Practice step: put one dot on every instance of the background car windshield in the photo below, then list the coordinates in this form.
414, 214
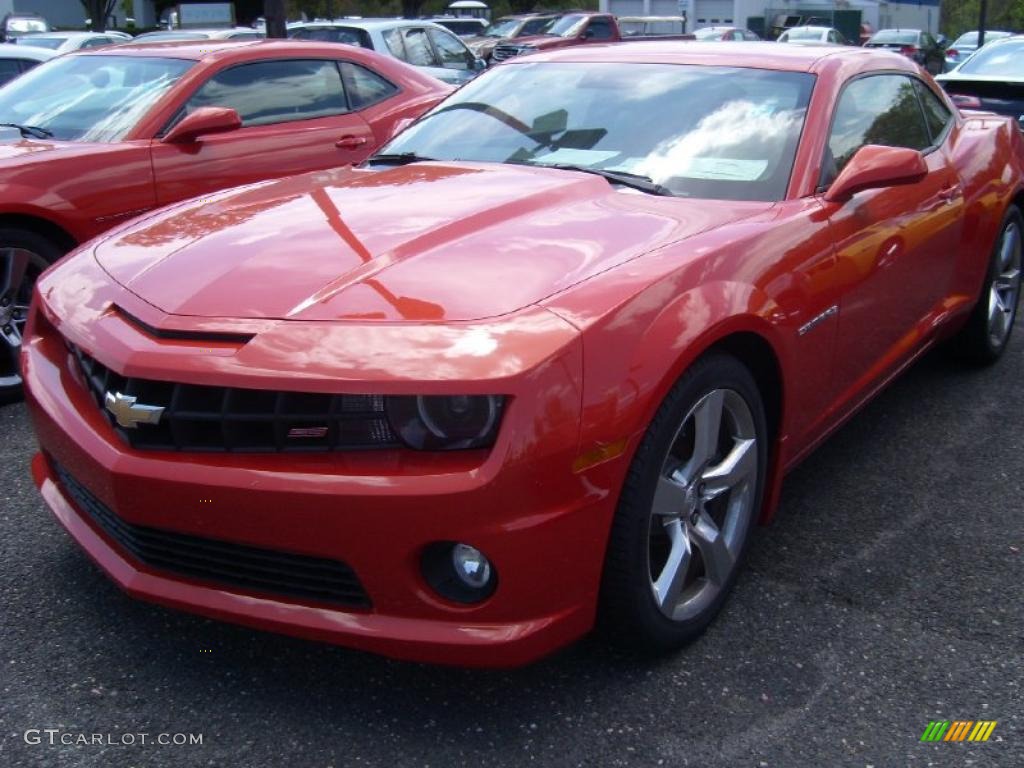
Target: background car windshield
502, 28
895, 36
566, 26
714, 132
804, 33
41, 42
707, 33
1002, 60
347, 35
89, 98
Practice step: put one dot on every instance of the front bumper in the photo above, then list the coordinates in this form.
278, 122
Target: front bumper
543, 526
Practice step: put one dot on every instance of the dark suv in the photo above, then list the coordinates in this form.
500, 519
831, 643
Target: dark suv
915, 44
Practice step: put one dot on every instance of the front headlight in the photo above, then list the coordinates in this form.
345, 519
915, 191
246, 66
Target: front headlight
446, 422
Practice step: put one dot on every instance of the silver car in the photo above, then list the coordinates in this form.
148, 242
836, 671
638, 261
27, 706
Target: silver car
967, 44
421, 43
65, 42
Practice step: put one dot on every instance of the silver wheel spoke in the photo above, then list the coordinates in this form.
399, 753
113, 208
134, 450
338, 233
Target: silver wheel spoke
11, 335
707, 421
718, 560
669, 498
669, 584
737, 467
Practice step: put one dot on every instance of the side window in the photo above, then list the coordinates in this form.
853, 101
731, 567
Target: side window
936, 114
363, 86
417, 47
881, 109
96, 42
599, 29
452, 52
735, 35
747, 35
393, 40
275, 91
9, 70
832, 36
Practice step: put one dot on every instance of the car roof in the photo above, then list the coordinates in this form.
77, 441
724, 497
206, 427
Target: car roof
367, 24
12, 51
753, 55
206, 49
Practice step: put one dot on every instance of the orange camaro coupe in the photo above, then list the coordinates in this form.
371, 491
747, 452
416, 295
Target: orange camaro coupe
541, 362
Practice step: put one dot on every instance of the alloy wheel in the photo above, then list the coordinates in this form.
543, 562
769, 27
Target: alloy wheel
1005, 290
703, 504
19, 269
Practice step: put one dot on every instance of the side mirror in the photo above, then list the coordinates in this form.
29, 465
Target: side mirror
875, 167
479, 65
203, 121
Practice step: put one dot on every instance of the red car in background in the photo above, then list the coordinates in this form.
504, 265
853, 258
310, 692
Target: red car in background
541, 362
95, 138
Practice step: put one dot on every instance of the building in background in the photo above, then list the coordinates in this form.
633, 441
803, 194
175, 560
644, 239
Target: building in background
761, 15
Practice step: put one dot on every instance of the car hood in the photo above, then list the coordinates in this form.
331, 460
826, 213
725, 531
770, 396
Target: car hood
425, 242
541, 42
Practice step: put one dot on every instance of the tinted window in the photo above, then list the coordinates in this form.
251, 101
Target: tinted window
417, 48
894, 37
96, 42
599, 29
452, 52
9, 69
936, 115
393, 40
275, 91
363, 86
533, 26
722, 132
53, 43
882, 109
346, 35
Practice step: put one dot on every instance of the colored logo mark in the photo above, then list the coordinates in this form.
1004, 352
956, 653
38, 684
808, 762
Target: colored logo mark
958, 730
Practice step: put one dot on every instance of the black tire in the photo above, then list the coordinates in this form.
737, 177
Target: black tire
41, 253
628, 612
976, 342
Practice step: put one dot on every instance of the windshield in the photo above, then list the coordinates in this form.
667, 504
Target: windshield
1003, 60
566, 26
89, 98
37, 41
721, 132
894, 36
805, 33
709, 32
503, 28
160, 37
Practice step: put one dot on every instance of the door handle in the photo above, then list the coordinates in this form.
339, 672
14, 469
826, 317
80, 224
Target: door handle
950, 194
350, 142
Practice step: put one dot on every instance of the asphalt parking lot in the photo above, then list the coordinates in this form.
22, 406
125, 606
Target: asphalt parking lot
888, 593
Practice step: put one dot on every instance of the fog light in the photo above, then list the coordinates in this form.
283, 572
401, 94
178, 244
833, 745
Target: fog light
459, 572
471, 566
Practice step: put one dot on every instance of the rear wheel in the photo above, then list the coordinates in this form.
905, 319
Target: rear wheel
686, 509
23, 257
983, 340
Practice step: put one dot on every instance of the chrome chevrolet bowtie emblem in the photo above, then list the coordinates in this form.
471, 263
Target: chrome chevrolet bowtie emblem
128, 413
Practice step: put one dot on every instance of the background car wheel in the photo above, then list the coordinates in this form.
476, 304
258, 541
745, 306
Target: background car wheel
984, 338
691, 496
23, 256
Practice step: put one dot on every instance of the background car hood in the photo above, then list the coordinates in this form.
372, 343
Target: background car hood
421, 242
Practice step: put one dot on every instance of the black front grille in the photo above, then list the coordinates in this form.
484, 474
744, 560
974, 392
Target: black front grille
204, 418
220, 562
503, 52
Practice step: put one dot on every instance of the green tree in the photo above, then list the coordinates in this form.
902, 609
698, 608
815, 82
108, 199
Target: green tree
959, 16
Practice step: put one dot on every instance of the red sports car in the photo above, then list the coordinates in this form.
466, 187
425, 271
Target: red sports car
91, 139
540, 363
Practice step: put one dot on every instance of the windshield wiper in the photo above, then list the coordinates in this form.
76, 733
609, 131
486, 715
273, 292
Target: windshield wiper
632, 180
398, 158
28, 131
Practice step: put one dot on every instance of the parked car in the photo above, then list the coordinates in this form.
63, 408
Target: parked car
652, 26
177, 35
16, 59
423, 44
967, 44
721, 34
109, 135
457, 409
783, 21
14, 25
464, 28
509, 28
64, 42
991, 79
572, 29
915, 44
813, 36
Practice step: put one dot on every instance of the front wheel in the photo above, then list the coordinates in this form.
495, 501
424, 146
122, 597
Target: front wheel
23, 257
985, 336
684, 517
